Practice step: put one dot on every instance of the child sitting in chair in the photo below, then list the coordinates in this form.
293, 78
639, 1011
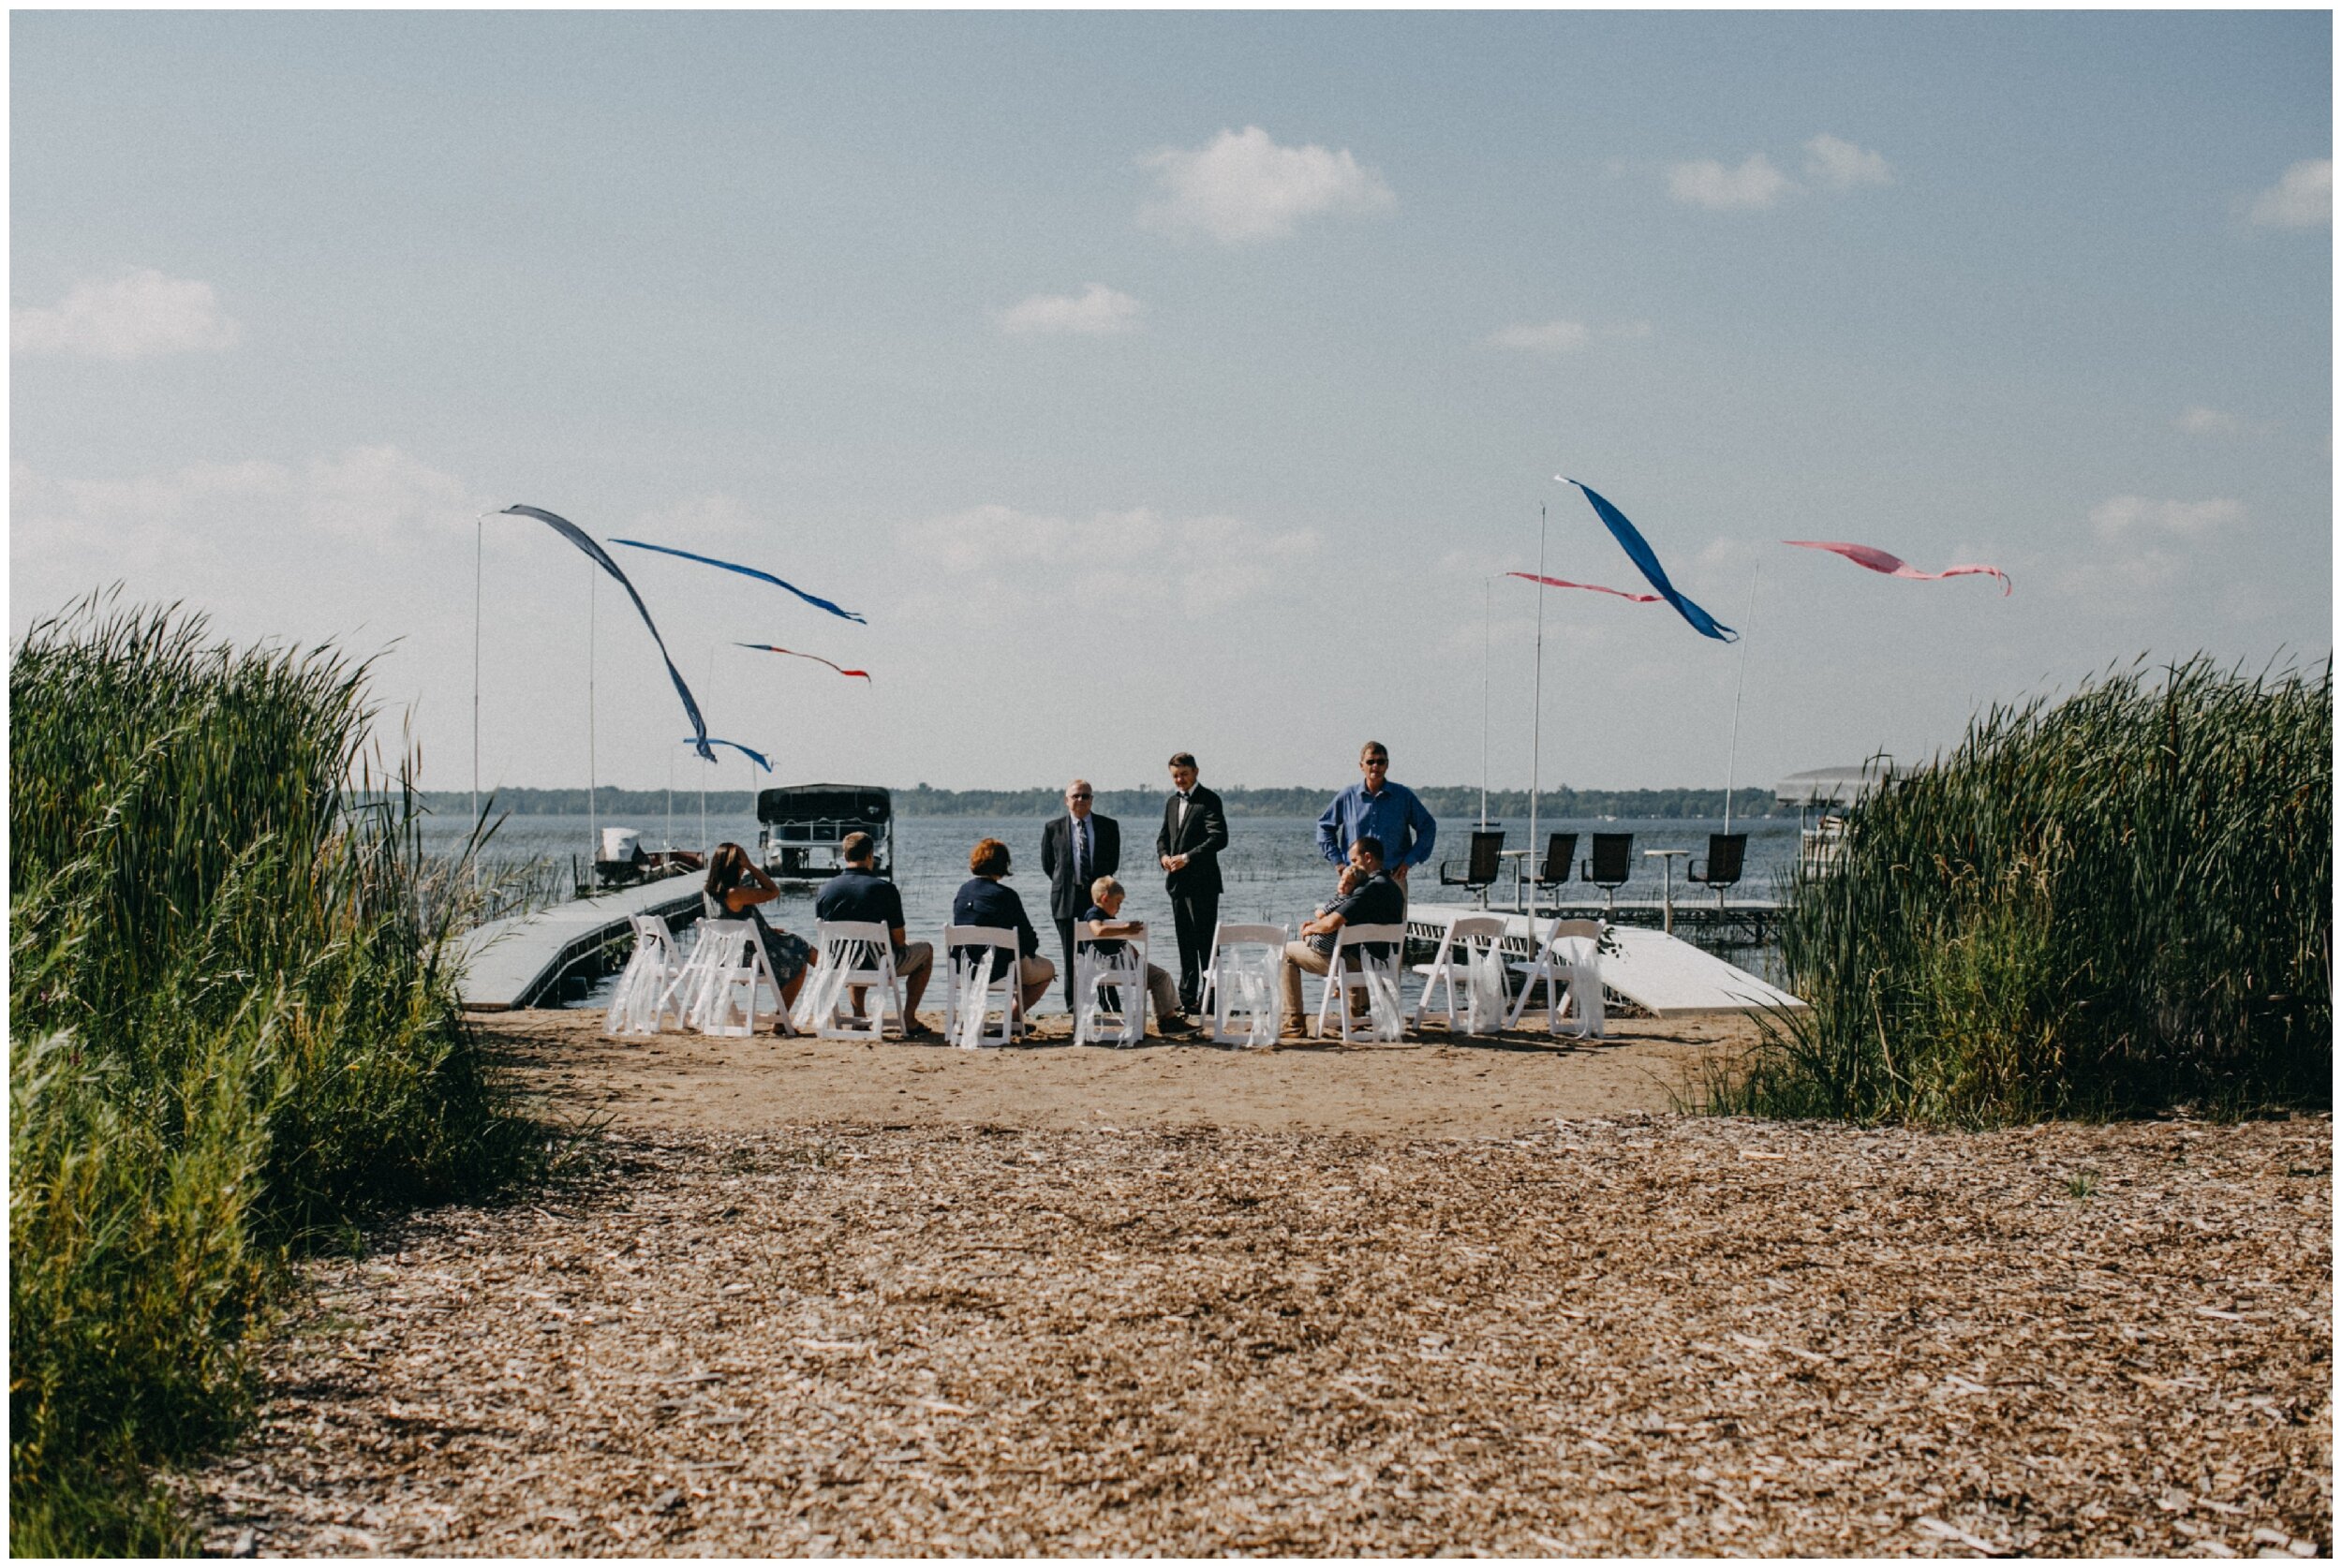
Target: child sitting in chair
1106, 912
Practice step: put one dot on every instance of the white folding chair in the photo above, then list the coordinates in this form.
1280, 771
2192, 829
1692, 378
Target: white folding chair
725, 978
1098, 976
855, 954
1568, 964
645, 995
1470, 956
1240, 980
1376, 978
981, 981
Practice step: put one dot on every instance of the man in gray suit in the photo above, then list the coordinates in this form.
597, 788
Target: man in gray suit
1077, 850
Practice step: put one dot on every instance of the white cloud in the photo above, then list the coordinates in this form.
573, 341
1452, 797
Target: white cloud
1706, 183
2302, 198
2200, 421
1118, 564
2120, 515
1242, 187
1842, 166
1095, 310
1541, 337
137, 314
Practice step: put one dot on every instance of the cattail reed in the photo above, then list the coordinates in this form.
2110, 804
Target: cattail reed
2107, 904
231, 1034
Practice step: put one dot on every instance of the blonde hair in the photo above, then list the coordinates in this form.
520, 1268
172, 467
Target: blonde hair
1104, 889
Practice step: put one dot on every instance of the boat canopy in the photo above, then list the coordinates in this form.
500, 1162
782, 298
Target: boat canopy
1832, 786
866, 804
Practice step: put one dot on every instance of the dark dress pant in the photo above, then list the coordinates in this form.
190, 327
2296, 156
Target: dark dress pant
1194, 916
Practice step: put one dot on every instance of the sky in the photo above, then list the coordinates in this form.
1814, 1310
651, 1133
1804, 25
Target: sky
1164, 381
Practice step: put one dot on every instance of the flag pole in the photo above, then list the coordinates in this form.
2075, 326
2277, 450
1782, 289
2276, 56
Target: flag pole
478, 554
1488, 612
1732, 758
1536, 703
593, 821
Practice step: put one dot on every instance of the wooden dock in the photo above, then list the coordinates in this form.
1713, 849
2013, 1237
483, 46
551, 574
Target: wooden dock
522, 961
1663, 974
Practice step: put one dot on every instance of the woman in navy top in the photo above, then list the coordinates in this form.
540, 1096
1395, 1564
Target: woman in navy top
982, 901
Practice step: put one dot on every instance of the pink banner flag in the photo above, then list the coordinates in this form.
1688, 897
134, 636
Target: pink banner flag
1895, 565
767, 647
1590, 587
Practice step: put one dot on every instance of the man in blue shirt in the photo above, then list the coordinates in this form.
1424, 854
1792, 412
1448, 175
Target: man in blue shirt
1378, 809
858, 893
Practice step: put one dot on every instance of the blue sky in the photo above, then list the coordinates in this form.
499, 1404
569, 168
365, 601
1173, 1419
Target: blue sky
1176, 380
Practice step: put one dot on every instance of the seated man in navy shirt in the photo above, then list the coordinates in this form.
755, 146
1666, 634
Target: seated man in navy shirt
1106, 911
982, 901
857, 893
1375, 900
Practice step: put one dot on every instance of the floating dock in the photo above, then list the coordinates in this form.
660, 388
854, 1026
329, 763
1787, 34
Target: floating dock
1663, 974
522, 961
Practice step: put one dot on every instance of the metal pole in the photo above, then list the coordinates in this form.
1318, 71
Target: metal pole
1536, 700
1488, 614
1732, 758
593, 822
479, 552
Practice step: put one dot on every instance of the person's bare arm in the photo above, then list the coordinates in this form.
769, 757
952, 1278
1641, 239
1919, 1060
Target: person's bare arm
1119, 931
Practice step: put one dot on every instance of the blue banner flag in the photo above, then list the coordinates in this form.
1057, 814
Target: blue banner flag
756, 757
817, 603
1641, 554
600, 557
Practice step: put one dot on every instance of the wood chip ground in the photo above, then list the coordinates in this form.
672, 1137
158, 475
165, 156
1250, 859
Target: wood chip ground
1633, 1335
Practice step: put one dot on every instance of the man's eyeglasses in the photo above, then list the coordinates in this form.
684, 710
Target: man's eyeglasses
1083, 795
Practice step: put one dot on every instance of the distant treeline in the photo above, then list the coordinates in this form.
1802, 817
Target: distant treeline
1450, 803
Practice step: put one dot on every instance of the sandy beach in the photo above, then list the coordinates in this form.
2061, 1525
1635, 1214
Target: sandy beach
814, 1298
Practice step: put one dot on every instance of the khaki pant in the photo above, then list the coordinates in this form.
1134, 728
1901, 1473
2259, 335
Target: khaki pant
1301, 956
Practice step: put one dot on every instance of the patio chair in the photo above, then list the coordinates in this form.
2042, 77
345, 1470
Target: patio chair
1110, 988
1471, 953
1560, 853
1727, 853
856, 955
1567, 964
645, 995
1612, 865
983, 980
1354, 966
1240, 984
1482, 866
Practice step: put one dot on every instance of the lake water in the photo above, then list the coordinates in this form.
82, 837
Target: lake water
1271, 865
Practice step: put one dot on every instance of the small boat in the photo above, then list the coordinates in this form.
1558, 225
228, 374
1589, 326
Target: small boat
802, 829
621, 861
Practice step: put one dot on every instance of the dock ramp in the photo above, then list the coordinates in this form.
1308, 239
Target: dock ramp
1662, 975
521, 961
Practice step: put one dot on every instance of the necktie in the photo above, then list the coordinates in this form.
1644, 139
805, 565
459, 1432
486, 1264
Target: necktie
1081, 852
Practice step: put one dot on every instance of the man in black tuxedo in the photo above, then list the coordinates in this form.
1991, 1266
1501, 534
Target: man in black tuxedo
1077, 850
1195, 830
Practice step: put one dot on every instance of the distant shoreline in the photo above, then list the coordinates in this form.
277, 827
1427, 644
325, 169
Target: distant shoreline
1450, 803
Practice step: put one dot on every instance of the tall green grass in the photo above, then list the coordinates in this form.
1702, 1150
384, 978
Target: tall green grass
231, 1034
2102, 906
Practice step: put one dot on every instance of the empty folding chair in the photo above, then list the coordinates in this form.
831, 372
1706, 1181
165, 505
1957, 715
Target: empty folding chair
1481, 867
1727, 853
1240, 982
646, 996
1612, 864
983, 980
1470, 956
1567, 964
856, 955
1356, 966
724, 981
1109, 986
